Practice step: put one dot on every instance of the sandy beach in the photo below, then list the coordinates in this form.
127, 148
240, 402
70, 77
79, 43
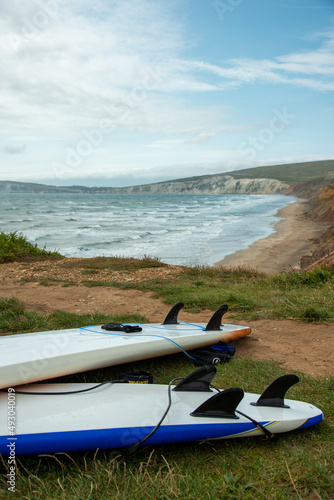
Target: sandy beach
281, 251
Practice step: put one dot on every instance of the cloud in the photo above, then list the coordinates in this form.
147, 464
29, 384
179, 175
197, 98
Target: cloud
314, 62
13, 149
68, 67
167, 143
71, 65
199, 138
302, 69
83, 63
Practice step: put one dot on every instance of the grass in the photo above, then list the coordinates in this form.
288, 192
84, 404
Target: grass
96, 264
14, 318
15, 246
296, 465
251, 295
228, 470
290, 172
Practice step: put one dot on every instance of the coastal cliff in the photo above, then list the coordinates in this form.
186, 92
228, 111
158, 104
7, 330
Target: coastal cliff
322, 210
322, 204
213, 184
302, 180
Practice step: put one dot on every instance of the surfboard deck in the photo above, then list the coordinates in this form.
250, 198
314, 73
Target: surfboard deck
121, 416
31, 357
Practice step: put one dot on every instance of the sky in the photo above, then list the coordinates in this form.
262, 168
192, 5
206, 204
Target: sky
127, 92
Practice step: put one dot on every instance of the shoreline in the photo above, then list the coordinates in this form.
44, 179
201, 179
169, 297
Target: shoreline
292, 239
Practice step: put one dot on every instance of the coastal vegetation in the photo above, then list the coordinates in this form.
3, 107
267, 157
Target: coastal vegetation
292, 173
15, 246
250, 295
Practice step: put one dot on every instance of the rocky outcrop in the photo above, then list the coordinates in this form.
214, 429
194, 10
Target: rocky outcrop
213, 184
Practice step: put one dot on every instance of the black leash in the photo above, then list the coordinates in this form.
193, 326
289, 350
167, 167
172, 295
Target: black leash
268, 434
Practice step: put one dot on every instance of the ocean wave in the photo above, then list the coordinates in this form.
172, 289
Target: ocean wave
179, 229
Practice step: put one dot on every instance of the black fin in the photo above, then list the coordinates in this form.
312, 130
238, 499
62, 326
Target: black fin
171, 318
275, 392
214, 322
198, 381
221, 405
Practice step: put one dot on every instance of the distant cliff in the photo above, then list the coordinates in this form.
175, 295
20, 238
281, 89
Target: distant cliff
302, 180
29, 187
213, 184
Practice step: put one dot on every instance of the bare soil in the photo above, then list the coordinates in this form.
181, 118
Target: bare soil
299, 346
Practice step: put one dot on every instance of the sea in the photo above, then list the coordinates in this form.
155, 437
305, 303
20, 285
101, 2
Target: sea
177, 229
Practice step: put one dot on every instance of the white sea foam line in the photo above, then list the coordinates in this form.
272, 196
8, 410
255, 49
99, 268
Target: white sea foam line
194, 243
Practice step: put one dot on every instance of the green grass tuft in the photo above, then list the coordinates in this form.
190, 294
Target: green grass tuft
15, 246
115, 263
250, 295
14, 319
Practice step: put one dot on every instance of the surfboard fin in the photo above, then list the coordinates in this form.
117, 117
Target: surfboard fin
221, 405
171, 318
214, 322
198, 381
275, 392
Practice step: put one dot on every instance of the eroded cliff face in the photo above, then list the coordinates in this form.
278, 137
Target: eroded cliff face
322, 207
217, 184
322, 210
213, 184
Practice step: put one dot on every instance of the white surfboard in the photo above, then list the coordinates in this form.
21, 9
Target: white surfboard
50, 418
31, 357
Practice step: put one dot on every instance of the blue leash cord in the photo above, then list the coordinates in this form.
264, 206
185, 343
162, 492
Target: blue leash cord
137, 335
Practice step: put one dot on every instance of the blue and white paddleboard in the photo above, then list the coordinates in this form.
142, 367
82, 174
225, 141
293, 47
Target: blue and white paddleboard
50, 418
30, 357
